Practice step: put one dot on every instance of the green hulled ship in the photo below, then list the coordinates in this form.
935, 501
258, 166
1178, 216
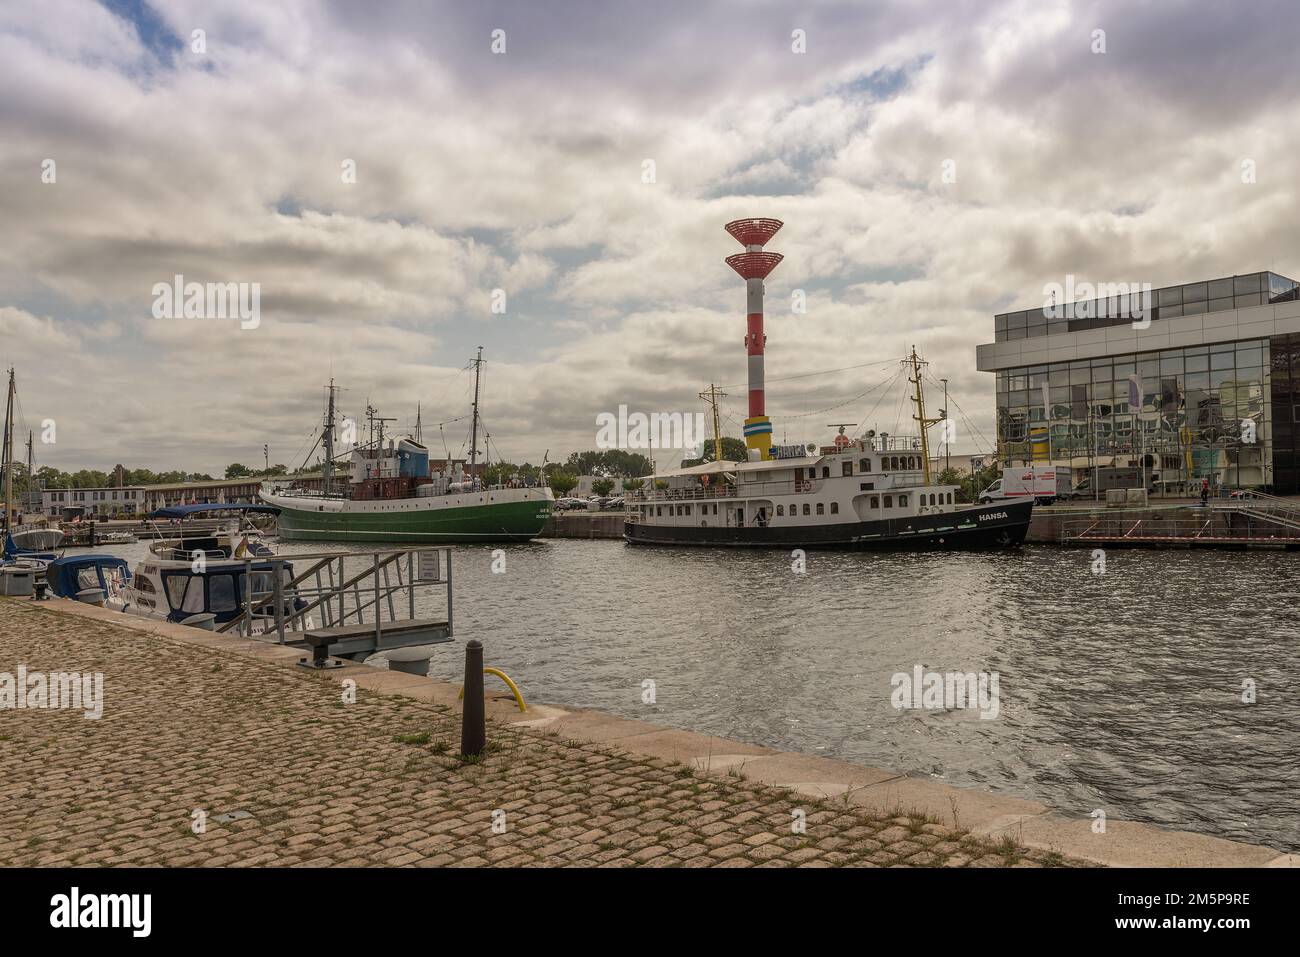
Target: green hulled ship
395, 496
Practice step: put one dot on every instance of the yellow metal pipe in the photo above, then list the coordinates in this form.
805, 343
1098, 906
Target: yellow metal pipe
514, 689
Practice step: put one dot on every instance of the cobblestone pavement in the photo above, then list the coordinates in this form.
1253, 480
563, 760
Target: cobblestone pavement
375, 782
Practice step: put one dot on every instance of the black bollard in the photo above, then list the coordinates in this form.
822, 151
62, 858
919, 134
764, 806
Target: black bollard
473, 728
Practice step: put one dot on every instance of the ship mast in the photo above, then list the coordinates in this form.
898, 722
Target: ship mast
473, 441
919, 398
328, 482
712, 397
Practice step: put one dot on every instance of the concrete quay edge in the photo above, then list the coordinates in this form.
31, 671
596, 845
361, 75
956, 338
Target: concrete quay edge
984, 813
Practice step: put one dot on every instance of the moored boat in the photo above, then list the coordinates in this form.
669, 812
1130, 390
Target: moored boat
394, 496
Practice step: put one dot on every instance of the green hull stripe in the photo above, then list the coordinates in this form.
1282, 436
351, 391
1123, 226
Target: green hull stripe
508, 521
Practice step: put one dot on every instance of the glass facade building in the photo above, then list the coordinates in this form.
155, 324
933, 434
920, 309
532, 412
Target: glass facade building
1222, 404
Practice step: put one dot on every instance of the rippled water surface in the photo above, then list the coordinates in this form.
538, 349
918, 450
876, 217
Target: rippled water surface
1119, 691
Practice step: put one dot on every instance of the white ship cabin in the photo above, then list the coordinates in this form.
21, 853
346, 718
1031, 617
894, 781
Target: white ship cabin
852, 481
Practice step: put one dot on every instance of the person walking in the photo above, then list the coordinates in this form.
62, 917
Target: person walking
1205, 491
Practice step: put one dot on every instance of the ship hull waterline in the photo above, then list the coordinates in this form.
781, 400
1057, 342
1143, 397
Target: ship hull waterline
992, 527
518, 521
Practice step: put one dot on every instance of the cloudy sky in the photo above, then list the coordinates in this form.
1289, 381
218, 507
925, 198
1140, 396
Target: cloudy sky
934, 163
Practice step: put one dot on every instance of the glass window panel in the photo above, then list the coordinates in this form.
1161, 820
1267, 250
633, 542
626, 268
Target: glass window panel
1220, 287
1194, 308
1172, 296
1124, 369
1171, 312
1243, 285
1171, 366
1221, 360
1249, 299
1015, 334
1197, 380
1017, 320
1000, 323
1197, 363
1079, 375
1196, 292
1219, 305
1057, 326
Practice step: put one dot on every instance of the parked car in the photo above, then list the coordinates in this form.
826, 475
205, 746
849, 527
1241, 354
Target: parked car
613, 504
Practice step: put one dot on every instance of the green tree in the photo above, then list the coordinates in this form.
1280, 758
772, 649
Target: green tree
733, 450
602, 486
633, 485
235, 470
562, 483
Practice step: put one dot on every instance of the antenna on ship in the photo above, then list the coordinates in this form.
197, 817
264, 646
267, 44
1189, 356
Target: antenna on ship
712, 397
842, 441
473, 441
919, 398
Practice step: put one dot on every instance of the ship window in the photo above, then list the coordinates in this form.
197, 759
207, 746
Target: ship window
821, 509
812, 473
659, 510
688, 510
864, 465
950, 498
835, 508
902, 501
221, 593
875, 501
806, 510
826, 471
175, 585
889, 501
780, 510
846, 468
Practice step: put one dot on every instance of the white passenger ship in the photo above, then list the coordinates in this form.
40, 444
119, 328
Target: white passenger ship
868, 493
865, 494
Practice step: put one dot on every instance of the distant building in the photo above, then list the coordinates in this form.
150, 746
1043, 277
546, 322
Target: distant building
93, 502
1201, 384
961, 464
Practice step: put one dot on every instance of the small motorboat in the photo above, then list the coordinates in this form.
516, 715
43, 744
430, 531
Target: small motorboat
93, 579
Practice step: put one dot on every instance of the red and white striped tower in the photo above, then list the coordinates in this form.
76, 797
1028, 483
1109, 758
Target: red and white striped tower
753, 265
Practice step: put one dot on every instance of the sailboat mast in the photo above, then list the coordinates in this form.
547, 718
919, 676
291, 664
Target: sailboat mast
9, 452
473, 441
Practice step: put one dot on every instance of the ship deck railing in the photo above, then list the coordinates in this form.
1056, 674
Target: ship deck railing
727, 490
353, 593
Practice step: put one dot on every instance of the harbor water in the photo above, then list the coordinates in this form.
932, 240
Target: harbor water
1120, 690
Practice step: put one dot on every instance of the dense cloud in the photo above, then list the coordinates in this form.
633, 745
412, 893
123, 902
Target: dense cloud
523, 171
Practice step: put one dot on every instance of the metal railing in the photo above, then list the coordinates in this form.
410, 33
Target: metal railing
287, 595
1281, 509
1222, 525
